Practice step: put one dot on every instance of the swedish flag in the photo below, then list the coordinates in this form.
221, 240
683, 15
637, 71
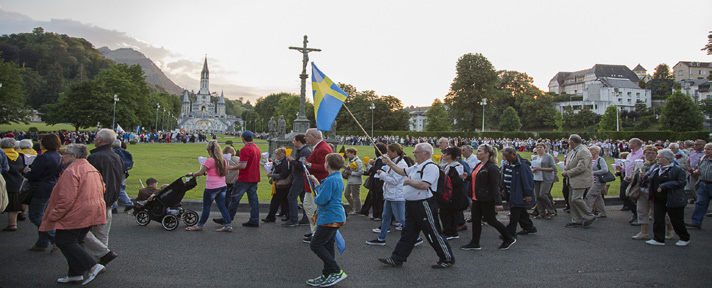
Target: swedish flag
328, 98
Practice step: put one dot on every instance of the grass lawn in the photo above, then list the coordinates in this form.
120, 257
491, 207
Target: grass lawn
40, 127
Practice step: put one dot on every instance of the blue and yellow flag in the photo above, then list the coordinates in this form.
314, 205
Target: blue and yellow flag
328, 98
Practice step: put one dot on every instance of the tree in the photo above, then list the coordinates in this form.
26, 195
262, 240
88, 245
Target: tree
77, 106
681, 114
662, 82
289, 107
537, 109
570, 119
12, 96
474, 81
514, 89
708, 47
608, 120
662, 71
559, 120
706, 107
586, 117
509, 121
437, 117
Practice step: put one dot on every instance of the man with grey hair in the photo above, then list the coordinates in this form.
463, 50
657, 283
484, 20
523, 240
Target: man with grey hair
111, 167
443, 144
579, 170
692, 159
419, 214
703, 172
127, 160
468, 156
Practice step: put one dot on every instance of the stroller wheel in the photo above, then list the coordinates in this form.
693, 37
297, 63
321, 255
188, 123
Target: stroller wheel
170, 222
190, 217
142, 218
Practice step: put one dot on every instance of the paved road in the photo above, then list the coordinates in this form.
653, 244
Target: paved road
272, 256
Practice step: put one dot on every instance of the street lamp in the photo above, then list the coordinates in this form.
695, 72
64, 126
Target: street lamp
618, 125
373, 107
113, 119
483, 103
157, 106
163, 120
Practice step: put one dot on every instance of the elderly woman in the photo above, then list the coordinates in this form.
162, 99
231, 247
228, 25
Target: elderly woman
594, 197
25, 147
13, 181
43, 174
542, 188
667, 190
75, 205
280, 171
643, 203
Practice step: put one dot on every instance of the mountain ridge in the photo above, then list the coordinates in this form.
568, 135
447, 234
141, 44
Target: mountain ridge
154, 75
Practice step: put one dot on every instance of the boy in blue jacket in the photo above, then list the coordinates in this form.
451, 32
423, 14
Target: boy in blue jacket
329, 217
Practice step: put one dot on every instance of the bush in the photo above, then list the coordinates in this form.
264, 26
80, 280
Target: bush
132, 142
228, 142
32, 129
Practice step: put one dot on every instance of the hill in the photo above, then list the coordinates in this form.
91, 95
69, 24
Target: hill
154, 75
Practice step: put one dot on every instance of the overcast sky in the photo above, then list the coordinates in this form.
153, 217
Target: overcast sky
407, 49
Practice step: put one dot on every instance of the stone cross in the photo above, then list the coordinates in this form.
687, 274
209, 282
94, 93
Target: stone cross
305, 60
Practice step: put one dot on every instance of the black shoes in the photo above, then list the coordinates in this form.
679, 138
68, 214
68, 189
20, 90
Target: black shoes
525, 232
506, 244
21, 216
573, 225
249, 224
471, 246
391, 262
269, 220
587, 223
128, 208
108, 258
442, 265
290, 224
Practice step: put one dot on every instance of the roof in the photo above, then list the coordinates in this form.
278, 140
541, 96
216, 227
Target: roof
639, 68
222, 98
600, 70
185, 96
619, 83
695, 64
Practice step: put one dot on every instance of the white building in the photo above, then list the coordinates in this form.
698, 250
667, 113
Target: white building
417, 118
599, 87
697, 89
203, 115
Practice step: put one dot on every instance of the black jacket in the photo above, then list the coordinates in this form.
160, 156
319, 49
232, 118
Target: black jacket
487, 183
111, 168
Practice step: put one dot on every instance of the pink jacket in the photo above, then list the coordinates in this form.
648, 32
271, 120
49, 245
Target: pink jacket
77, 201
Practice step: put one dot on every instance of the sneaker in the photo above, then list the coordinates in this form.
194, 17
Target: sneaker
573, 225
471, 246
73, 279
654, 243
303, 222
587, 223
693, 225
377, 219
505, 245
290, 224
682, 243
307, 240
378, 230
316, 282
128, 208
525, 232
113, 211
224, 229
442, 265
635, 223
391, 262
376, 242
334, 278
453, 237
462, 227
92, 273
399, 228
418, 242
269, 220
219, 221
641, 236
250, 224
21, 216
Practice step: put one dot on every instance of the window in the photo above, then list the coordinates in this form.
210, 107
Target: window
699, 72
619, 99
680, 73
628, 100
628, 93
637, 95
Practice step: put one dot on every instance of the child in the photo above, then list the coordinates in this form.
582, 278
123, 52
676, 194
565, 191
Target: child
329, 217
147, 194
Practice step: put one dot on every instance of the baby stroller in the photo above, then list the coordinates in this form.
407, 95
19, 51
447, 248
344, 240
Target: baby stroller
165, 207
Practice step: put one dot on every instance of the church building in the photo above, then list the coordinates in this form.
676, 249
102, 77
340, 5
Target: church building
203, 115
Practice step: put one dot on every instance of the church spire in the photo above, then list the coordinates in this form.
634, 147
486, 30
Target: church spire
205, 72
204, 79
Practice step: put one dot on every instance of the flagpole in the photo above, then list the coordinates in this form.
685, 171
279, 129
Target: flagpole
364, 130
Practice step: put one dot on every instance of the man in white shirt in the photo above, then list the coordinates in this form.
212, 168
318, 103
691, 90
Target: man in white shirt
469, 157
422, 179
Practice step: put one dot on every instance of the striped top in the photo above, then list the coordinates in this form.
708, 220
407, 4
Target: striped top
705, 168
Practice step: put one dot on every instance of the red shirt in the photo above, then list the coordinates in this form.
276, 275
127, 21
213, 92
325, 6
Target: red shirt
250, 154
317, 159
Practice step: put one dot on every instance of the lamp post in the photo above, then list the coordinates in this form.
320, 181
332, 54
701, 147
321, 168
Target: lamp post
373, 107
113, 119
157, 106
483, 103
618, 125
163, 120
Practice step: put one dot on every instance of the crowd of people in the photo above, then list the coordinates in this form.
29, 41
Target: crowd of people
72, 192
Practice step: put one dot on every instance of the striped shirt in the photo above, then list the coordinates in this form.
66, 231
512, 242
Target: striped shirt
695, 157
705, 168
507, 176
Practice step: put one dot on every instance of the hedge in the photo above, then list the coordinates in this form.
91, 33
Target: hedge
643, 135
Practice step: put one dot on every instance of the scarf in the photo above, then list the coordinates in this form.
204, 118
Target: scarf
28, 151
11, 153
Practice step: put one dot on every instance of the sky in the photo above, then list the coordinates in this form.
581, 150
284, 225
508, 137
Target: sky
407, 49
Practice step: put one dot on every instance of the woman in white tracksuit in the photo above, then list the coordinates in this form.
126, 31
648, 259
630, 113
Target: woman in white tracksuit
394, 203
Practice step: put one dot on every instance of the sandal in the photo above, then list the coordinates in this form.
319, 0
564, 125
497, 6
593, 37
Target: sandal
224, 229
10, 228
193, 228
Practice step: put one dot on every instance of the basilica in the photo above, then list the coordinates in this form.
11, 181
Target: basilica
203, 115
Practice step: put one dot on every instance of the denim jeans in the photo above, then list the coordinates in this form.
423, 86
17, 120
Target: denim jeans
704, 194
296, 189
396, 208
217, 194
123, 197
238, 190
322, 244
35, 213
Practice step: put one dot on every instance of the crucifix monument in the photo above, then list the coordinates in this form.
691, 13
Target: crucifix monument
301, 124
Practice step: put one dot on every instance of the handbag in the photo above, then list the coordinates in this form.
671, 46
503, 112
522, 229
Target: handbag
633, 190
368, 184
284, 183
27, 189
605, 178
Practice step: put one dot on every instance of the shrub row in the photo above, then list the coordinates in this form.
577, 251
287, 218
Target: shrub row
643, 135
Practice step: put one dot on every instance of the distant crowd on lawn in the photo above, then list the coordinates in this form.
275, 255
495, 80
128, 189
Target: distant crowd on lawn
609, 148
87, 137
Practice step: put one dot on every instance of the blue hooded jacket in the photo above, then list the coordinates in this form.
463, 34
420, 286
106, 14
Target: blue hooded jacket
522, 184
328, 198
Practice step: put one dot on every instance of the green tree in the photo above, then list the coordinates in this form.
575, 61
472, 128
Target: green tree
537, 109
514, 88
586, 117
708, 47
266, 106
559, 120
388, 111
608, 120
681, 114
662, 82
475, 80
289, 107
570, 119
509, 121
12, 96
437, 117
77, 106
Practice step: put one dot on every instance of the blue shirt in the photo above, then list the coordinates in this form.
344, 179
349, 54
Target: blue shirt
328, 198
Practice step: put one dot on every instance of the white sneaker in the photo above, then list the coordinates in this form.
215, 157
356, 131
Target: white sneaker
98, 268
654, 243
73, 279
641, 236
378, 230
682, 243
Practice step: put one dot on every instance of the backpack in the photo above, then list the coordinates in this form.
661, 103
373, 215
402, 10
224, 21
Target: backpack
443, 192
126, 157
408, 160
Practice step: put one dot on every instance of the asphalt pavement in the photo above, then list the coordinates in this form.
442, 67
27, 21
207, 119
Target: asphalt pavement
272, 256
